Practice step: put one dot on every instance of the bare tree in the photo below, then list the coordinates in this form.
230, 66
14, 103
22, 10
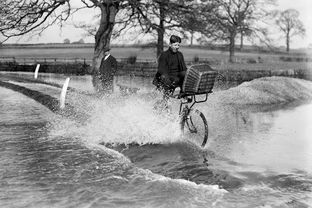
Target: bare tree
19, 17
159, 16
196, 20
153, 17
232, 17
80, 41
289, 23
66, 41
244, 32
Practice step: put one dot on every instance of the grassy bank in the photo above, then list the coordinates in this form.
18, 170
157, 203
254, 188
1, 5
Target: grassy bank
141, 52
57, 54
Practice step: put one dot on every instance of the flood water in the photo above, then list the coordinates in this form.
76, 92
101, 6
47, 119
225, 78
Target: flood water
259, 152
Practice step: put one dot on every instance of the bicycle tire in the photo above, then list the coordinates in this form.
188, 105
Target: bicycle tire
195, 123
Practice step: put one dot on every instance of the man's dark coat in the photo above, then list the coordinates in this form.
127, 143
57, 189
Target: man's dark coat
171, 69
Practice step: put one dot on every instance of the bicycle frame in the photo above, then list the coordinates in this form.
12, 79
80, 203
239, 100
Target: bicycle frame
186, 114
191, 99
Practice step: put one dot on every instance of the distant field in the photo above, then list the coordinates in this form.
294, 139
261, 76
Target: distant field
268, 60
122, 52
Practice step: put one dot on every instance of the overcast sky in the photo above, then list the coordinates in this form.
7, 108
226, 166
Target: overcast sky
55, 35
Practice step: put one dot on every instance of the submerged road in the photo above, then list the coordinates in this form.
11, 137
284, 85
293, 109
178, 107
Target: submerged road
258, 154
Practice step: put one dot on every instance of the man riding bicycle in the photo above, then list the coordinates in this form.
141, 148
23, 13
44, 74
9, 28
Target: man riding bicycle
171, 68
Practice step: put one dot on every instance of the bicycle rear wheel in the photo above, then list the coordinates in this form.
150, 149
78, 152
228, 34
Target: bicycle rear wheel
194, 125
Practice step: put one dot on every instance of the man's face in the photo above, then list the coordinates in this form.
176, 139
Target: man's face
106, 53
175, 46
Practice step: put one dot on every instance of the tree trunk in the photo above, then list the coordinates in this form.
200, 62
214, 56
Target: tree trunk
102, 38
160, 42
192, 37
232, 47
287, 41
242, 40
160, 30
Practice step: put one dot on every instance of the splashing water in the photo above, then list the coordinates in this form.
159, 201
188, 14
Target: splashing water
122, 120
131, 119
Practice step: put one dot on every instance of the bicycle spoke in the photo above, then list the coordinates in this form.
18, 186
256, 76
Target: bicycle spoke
191, 126
196, 128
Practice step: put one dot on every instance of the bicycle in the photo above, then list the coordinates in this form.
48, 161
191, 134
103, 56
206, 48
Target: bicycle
192, 118
199, 80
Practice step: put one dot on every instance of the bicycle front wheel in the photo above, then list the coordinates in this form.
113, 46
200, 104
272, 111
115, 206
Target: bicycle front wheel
194, 126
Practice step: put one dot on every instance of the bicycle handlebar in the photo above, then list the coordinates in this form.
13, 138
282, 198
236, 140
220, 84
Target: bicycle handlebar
176, 96
181, 95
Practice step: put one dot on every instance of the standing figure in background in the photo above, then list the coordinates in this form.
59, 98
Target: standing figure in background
171, 69
108, 69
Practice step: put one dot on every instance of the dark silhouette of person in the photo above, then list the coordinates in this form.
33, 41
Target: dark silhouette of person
108, 69
171, 71
171, 67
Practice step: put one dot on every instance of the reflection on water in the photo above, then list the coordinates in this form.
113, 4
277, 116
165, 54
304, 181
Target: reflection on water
278, 140
273, 140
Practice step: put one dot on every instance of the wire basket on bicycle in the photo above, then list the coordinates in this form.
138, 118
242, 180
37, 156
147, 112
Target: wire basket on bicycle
199, 79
